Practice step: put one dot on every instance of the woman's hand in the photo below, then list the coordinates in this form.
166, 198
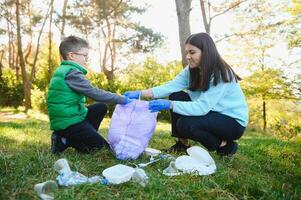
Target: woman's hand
159, 104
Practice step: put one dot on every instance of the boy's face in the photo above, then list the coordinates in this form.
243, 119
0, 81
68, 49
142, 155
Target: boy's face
81, 57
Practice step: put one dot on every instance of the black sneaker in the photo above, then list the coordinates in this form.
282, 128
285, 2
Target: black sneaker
57, 146
228, 150
178, 147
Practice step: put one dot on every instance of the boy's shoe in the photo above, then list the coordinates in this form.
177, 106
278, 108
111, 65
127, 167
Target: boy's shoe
57, 146
228, 150
178, 147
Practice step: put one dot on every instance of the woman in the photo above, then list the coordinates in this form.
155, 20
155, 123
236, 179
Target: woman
205, 100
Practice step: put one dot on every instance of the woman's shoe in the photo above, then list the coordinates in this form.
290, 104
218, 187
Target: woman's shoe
178, 147
228, 150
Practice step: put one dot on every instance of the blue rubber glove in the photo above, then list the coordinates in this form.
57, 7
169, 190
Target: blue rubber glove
127, 100
133, 94
158, 105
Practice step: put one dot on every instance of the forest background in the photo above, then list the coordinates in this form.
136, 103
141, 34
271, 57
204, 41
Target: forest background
260, 39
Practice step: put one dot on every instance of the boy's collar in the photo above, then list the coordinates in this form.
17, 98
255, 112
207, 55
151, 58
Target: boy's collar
75, 64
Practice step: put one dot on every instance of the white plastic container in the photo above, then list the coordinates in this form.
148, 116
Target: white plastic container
118, 173
62, 166
151, 152
199, 161
46, 190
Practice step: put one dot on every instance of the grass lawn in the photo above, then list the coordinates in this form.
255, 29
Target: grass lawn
264, 167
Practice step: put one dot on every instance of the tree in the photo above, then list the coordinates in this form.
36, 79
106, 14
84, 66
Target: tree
258, 32
294, 33
275, 86
63, 19
27, 80
115, 30
210, 12
183, 12
7, 16
50, 65
26, 86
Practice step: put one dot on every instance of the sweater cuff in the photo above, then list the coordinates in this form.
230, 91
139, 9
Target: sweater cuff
121, 100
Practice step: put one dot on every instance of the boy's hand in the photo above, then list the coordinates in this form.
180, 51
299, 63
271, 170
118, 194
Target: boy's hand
127, 100
158, 105
132, 94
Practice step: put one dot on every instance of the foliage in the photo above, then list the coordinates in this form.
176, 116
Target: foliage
44, 71
38, 99
137, 77
142, 40
99, 80
286, 129
294, 23
265, 167
150, 74
270, 83
11, 89
283, 117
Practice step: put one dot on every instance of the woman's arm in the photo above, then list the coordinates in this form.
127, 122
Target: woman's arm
147, 93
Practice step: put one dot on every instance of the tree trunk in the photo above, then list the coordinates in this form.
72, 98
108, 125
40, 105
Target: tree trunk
1, 65
64, 19
183, 11
26, 86
50, 45
204, 16
264, 113
108, 39
33, 70
17, 68
10, 43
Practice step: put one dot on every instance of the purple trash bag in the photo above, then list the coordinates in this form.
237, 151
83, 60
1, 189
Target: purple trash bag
131, 128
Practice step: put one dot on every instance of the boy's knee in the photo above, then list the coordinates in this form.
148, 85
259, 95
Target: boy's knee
100, 107
104, 107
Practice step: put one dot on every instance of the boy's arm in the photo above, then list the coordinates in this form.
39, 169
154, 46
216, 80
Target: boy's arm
77, 81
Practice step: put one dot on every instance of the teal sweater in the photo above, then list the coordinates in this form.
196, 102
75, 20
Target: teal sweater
225, 98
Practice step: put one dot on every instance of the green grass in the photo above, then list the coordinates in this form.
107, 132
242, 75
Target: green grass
265, 167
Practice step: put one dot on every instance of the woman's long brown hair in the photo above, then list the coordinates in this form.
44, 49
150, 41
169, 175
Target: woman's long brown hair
211, 64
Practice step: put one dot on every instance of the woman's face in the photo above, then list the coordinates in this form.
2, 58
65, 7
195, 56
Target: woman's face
193, 55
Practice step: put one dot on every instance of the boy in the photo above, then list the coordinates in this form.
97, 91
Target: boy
74, 124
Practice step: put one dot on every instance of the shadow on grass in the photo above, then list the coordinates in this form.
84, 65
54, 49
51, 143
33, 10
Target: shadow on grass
23, 124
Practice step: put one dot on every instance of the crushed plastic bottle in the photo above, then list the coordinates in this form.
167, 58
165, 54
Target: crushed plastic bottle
139, 176
67, 177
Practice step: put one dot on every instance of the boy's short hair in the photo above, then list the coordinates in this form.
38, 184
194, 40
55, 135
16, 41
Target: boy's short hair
72, 44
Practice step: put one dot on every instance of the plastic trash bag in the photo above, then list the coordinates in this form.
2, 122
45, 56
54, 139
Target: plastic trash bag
131, 128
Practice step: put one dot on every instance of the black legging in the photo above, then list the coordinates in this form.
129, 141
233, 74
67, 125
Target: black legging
83, 136
210, 129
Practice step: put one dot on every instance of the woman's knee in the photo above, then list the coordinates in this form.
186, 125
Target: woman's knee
179, 96
183, 125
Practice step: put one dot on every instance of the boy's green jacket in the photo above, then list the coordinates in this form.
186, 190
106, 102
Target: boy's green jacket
65, 107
